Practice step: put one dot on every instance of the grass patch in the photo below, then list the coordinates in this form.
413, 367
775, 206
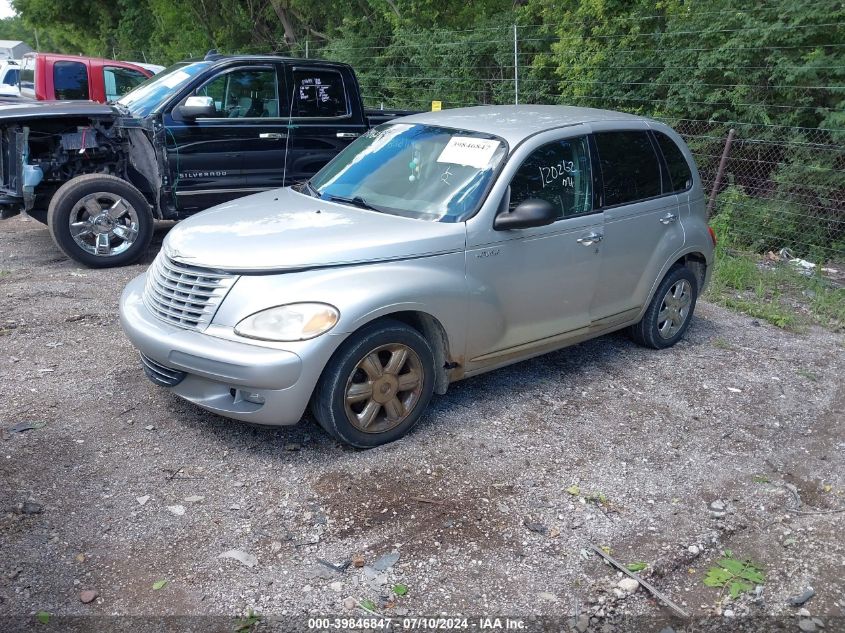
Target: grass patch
774, 292
805, 373
722, 344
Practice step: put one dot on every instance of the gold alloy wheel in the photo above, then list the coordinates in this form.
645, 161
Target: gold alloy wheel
384, 388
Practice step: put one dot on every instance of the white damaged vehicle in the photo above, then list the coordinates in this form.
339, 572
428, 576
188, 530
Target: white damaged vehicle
433, 248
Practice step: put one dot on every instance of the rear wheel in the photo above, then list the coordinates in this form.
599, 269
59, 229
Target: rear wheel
100, 221
376, 386
670, 311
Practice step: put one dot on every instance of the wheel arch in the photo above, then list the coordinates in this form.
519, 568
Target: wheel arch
695, 260
697, 263
433, 331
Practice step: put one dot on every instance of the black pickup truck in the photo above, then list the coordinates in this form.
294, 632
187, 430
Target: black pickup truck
198, 134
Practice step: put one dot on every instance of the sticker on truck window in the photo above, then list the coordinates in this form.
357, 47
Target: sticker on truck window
469, 151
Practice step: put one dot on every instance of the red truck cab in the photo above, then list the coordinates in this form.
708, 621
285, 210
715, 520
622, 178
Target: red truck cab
47, 77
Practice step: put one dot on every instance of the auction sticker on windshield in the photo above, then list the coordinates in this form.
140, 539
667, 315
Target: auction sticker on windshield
466, 150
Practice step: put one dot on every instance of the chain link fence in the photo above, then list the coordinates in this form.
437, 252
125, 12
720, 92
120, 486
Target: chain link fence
776, 77
784, 185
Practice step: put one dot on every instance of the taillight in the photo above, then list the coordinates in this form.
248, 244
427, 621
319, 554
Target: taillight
712, 234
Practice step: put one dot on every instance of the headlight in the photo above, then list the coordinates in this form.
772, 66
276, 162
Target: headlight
292, 322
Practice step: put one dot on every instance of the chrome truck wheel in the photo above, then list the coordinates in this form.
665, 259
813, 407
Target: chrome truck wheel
100, 221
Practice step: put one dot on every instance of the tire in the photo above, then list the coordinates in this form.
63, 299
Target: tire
658, 328
88, 207
352, 373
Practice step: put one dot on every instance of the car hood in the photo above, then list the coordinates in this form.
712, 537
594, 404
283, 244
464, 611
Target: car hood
24, 109
283, 230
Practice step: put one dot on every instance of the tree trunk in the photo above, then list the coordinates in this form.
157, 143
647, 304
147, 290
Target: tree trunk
284, 18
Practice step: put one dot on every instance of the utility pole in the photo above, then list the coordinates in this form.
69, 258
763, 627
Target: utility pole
515, 68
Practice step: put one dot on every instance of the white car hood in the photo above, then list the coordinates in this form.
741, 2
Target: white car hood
284, 230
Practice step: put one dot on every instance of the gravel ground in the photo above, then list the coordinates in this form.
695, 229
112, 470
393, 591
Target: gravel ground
492, 503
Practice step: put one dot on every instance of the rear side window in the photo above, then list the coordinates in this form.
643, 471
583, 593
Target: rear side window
680, 176
27, 77
11, 78
319, 93
119, 81
559, 173
629, 167
70, 80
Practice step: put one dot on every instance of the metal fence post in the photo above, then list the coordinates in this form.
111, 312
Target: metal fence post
719, 172
515, 68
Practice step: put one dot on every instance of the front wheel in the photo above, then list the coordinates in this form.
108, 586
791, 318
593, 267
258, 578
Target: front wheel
670, 311
376, 386
100, 221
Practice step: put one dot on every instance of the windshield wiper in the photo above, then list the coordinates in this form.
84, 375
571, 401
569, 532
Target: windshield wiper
310, 189
356, 201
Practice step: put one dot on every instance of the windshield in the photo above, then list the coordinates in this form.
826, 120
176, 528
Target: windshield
420, 171
146, 97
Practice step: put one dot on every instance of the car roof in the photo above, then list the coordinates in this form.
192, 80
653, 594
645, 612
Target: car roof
515, 123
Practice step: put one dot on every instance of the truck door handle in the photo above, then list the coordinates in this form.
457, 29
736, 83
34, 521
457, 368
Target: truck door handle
668, 218
274, 136
348, 134
589, 240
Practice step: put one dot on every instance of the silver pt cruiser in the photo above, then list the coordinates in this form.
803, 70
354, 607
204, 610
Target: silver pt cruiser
435, 247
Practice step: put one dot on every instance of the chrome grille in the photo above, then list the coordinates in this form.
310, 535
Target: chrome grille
184, 295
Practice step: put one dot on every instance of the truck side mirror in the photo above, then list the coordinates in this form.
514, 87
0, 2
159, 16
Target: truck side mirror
529, 213
196, 107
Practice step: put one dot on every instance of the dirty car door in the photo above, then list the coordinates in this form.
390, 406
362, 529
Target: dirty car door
642, 223
527, 285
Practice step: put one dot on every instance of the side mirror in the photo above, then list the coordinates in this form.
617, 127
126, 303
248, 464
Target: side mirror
529, 213
196, 107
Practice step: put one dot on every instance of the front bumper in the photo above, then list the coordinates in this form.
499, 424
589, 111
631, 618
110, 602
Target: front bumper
219, 373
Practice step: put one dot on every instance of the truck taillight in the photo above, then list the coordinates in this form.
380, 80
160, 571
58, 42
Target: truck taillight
712, 234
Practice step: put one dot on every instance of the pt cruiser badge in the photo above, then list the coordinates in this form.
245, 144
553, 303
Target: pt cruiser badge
436, 247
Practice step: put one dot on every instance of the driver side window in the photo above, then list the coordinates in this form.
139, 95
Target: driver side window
559, 173
248, 93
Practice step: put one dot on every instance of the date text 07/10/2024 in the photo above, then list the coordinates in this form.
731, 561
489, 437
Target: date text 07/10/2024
417, 623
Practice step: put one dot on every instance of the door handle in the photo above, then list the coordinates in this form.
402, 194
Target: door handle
590, 239
668, 218
273, 136
348, 134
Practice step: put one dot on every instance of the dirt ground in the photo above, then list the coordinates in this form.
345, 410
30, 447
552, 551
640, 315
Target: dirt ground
492, 503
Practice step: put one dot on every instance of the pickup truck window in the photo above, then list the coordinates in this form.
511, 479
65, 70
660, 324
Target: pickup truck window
70, 80
319, 93
244, 94
418, 171
153, 92
119, 81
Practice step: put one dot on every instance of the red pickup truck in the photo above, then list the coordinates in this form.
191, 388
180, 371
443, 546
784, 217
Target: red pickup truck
48, 77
